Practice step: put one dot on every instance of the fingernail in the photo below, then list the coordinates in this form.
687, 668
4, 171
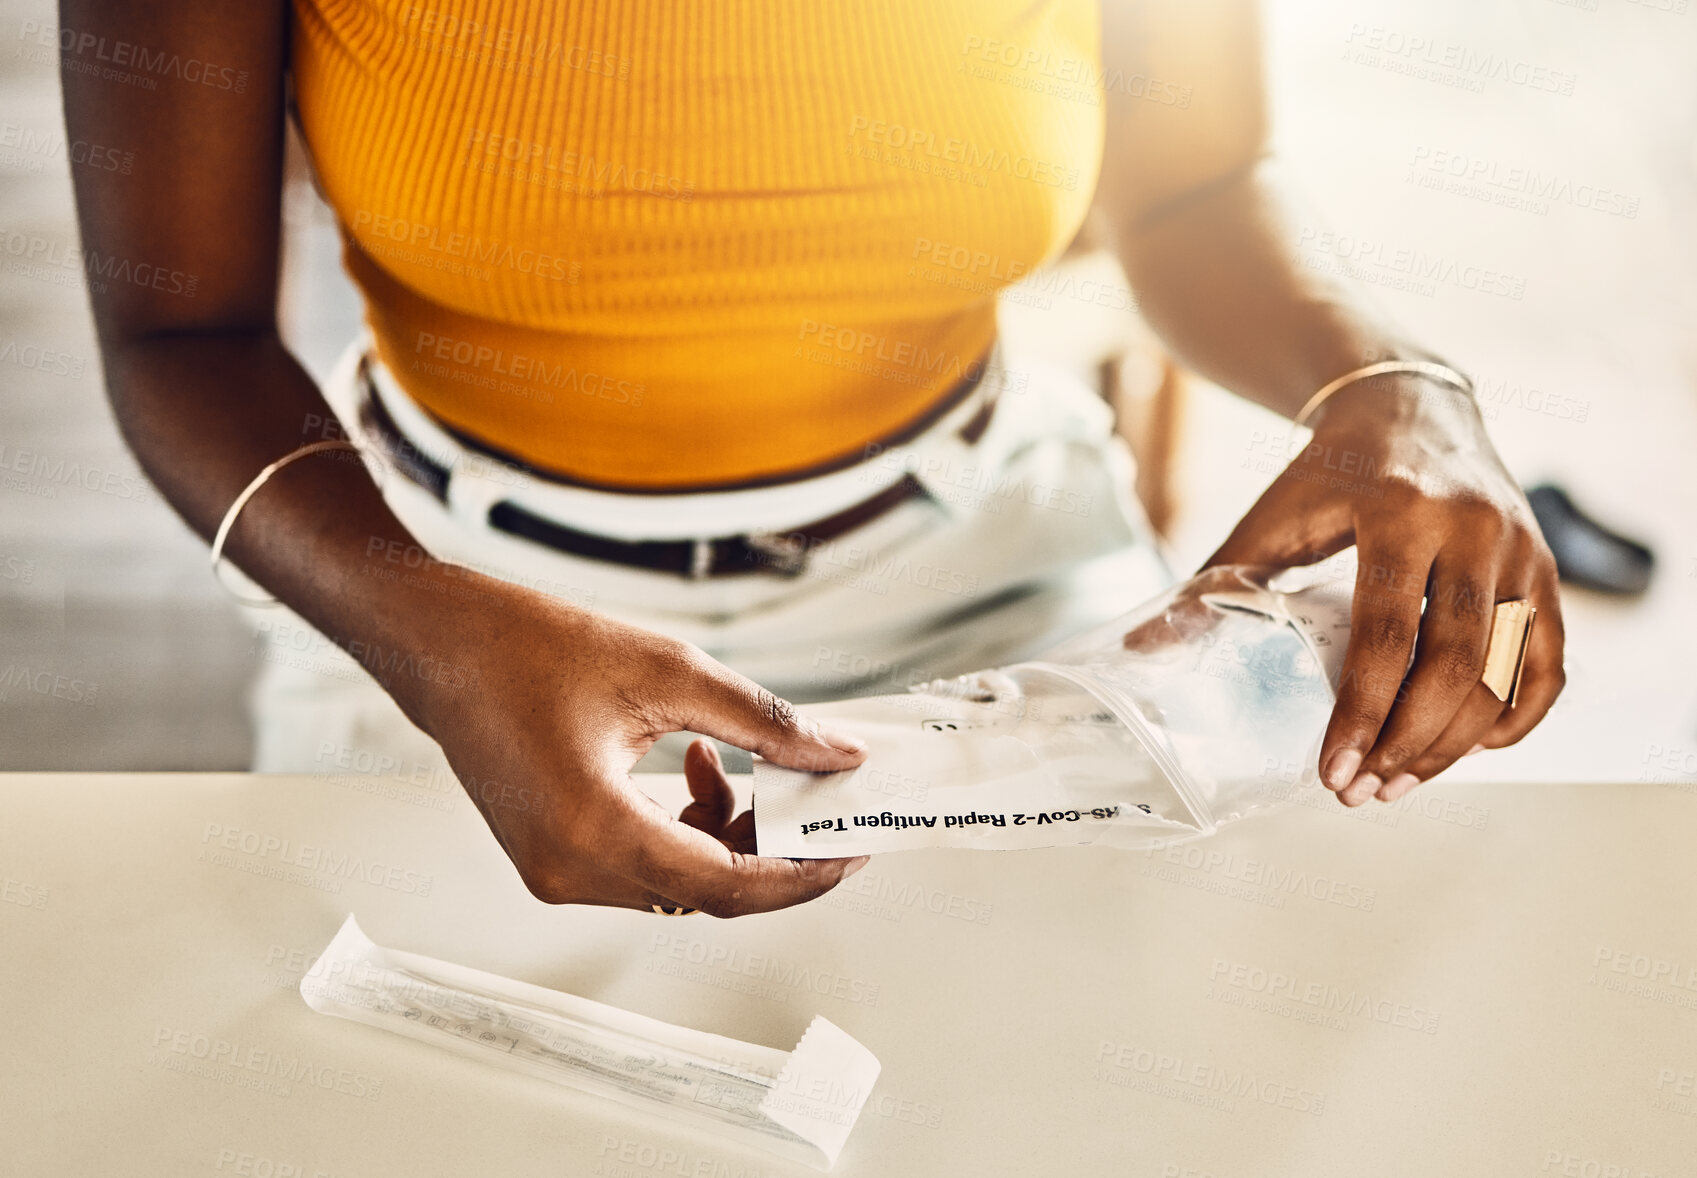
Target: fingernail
1362, 788
841, 741
1478, 748
1397, 786
855, 865
1340, 769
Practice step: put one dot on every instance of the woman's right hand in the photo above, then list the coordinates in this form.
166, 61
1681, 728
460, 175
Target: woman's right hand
558, 705
562, 702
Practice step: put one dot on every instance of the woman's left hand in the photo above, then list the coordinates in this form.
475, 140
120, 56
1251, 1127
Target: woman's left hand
1400, 466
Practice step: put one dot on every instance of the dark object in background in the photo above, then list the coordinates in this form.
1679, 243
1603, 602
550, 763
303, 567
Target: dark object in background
1587, 553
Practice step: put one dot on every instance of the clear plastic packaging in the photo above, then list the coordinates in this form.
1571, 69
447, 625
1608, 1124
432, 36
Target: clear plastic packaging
1195, 709
799, 1104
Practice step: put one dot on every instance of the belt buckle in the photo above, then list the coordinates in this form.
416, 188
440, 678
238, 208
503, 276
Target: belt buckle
700, 560
784, 555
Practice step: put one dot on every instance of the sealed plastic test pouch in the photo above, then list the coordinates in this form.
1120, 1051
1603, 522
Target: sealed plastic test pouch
1195, 709
798, 1104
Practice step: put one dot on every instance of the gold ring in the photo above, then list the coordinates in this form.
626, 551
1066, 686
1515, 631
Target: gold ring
673, 910
1505, 651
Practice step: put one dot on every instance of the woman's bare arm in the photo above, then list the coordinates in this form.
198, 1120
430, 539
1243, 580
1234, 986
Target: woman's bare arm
1205, 237
550, 703
203, 389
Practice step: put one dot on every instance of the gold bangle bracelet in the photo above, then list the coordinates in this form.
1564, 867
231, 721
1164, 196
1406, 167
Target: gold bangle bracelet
1419, 367
259, 481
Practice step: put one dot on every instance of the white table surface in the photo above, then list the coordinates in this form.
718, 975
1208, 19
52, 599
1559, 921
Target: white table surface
1463, 998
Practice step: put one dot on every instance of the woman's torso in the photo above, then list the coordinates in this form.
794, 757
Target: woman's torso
668, 244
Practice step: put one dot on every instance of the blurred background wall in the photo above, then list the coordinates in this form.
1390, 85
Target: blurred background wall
1541, 237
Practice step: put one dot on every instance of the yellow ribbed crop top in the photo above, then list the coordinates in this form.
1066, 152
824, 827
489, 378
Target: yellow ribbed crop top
663, 244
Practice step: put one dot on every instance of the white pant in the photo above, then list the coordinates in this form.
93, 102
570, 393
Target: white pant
1027, 537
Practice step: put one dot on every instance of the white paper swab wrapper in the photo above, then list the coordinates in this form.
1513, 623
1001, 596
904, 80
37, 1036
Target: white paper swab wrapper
799, 1104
